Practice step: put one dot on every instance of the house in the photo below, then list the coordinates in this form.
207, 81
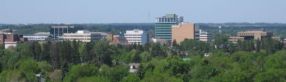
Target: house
134, 67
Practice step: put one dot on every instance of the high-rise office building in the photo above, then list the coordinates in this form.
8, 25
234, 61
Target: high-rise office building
183, 31
163, 26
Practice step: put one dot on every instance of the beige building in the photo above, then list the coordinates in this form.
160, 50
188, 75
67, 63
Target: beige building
254, 34
250, 35
183, 31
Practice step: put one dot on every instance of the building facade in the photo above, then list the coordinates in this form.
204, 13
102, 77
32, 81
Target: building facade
83, 36
203, 36
250, 35
136, 36
254, 34
58, 30
8, 39
183, 31
40, 36
163, 26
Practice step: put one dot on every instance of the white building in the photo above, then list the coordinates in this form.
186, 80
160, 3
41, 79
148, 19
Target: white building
10, 44
134, 67
40, 36
83, 36
136, 36
203, 36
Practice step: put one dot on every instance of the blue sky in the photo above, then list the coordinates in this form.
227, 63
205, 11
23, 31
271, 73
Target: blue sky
136, 11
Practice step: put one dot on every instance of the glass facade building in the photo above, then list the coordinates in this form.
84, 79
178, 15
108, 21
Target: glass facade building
163, 26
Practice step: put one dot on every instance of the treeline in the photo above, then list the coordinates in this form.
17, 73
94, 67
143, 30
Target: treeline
233, 28
116, 28
189, 61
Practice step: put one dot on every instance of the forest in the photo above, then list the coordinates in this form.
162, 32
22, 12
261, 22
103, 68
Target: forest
189, 61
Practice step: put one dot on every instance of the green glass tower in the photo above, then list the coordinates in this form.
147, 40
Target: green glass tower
163, 26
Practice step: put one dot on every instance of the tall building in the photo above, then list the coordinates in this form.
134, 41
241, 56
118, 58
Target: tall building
183, 31
136, 36
58, 30
83, 36
163, 26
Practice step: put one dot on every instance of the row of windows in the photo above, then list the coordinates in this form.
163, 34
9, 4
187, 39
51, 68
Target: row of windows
165, 25
163, 33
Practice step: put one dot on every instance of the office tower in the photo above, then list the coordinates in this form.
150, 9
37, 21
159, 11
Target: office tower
163, 26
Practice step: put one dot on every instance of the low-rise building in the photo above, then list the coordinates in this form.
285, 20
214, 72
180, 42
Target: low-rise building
254, 34
8, 39
40, 36
58, 30
136, 36
251, 35
203, 36
83, 36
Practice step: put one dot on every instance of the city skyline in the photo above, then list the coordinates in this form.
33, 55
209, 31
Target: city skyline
143, 11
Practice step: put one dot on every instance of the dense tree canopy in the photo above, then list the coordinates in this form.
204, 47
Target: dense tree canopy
72, 61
